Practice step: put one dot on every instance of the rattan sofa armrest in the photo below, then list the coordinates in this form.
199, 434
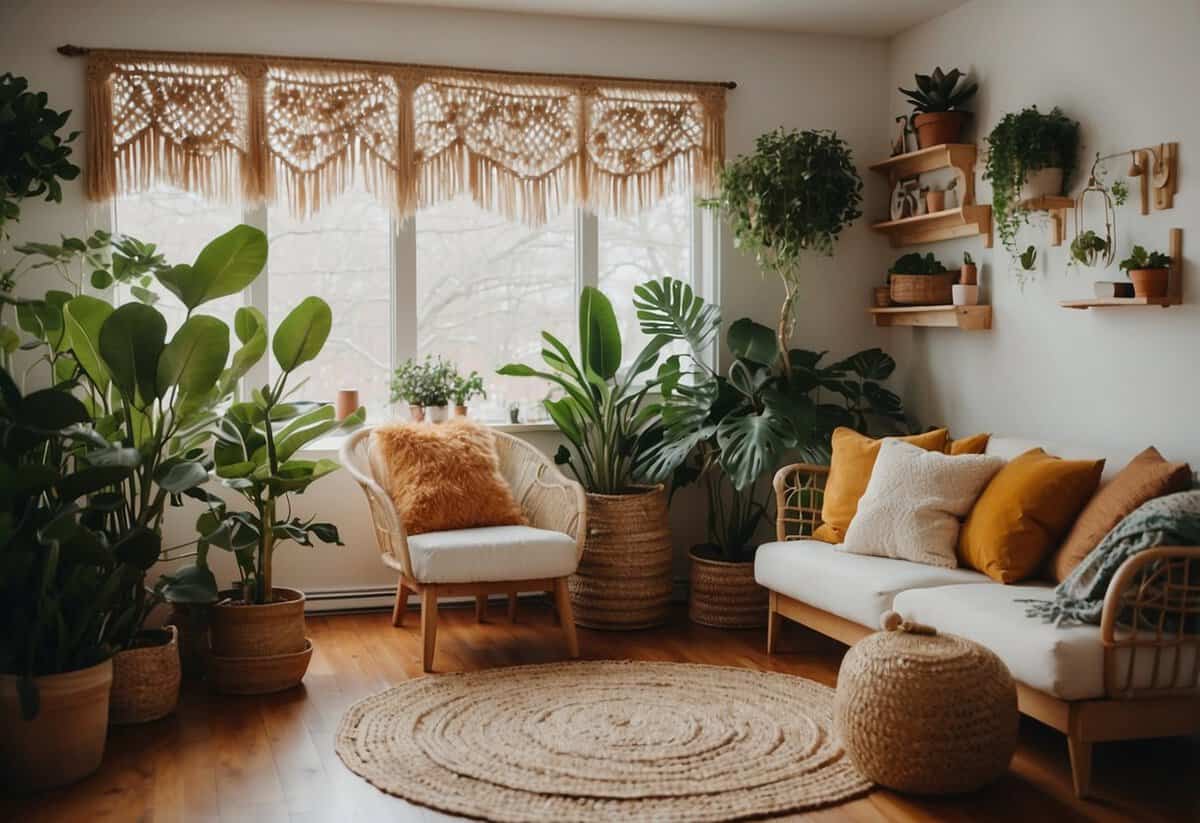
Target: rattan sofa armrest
1148, 624
799, 492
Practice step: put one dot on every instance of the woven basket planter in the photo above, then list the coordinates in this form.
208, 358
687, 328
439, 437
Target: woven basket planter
725, 595
258, 649
65, 741
146, 680
926, 713
624, 577
922, 289
259, 675
191, 622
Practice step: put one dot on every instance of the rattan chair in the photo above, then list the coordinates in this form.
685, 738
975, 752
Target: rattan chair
553, 505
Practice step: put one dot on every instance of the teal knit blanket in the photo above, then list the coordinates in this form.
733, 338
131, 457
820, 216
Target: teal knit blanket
1171, 520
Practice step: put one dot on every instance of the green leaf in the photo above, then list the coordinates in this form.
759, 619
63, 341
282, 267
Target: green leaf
751, 445
302, 333
84, 317
599, 334
90, 480
131, 342
192, 585
225, 266
753, 341
670, 307
194, 358
869, 364
179, 476
303, 430
139, 548
51, 410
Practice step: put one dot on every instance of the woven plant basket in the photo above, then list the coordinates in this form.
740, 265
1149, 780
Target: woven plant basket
259, 675
923, 712
146, 680
725, 595
922, 289
248, 630
624, 577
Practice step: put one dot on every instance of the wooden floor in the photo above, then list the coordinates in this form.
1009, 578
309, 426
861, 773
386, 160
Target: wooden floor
266, 759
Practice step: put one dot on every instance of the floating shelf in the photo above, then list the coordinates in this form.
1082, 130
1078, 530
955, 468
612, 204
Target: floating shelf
967, 318
1174, 286
1057, 208
964, 221
960, 156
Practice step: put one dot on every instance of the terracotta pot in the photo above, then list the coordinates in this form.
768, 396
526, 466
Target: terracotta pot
248, 630
882, 296
65, 741
935, 201
145, 683
460, 411
725, 595
437, 414
624, 577
968, 275
1150, 282
259, 675
922, 289
416, 413
1046, 182
191, 624
935, 128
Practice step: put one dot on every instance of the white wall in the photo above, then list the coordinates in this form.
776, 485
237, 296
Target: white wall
789, 80
1120, 379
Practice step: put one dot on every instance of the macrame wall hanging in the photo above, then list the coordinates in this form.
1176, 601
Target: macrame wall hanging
302, 132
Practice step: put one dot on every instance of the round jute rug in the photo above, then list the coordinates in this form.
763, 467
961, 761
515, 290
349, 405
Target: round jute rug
603, 741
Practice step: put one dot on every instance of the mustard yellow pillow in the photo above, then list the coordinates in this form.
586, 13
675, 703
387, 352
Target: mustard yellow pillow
849, 472
1024, 513
975, 444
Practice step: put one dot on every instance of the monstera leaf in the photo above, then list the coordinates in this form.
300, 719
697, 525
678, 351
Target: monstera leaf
670, 307
752, 341
752, 444
869, 364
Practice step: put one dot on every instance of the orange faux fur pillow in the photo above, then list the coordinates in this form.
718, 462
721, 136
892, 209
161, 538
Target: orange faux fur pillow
446, 476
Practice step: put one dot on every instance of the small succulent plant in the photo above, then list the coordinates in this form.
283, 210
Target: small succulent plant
939, 91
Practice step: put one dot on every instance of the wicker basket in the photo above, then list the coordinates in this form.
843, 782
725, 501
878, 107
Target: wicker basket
725, 595
924, 712
922, 289
244, 630
624, 577
259, 675
146, 681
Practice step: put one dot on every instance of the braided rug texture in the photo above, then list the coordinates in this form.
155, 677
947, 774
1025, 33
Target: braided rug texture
603, 740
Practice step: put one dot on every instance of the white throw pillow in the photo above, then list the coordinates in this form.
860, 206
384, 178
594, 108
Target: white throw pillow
915, 502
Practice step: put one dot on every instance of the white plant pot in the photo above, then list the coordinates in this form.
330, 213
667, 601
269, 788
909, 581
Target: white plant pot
962, 295
437, 414
1042, 183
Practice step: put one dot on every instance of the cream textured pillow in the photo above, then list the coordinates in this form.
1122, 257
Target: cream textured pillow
914, 503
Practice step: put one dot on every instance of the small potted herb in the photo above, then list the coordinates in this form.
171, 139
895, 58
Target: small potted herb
966, 291
1149, 271
425, 386
464, 389
937, 106
920, 280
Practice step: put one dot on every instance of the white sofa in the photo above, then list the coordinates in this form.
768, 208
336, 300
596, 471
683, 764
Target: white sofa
1093, 683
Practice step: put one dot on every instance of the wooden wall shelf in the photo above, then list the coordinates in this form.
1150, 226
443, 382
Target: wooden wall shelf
1174, 286
959, 156
1057, 208
967, 318
964, 221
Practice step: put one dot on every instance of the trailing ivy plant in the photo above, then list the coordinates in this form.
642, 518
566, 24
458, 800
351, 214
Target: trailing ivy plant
1020, 143
792, 197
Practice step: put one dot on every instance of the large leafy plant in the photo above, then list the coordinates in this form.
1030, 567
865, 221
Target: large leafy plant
33, 156
793, 196
1020, 143
939, 92
600, 412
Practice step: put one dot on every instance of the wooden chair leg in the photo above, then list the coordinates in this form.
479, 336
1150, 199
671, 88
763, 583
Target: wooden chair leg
401, 603
512, 607
562, 602
554, 607
774, 626
429, 618
481, 608
1081, 765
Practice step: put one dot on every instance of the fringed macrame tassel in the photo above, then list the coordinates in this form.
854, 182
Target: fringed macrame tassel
406, 178
258, 180
101, 160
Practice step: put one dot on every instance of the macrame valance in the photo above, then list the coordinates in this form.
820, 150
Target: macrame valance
301, 132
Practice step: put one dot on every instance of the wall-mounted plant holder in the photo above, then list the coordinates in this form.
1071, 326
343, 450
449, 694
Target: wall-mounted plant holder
1157, 168
1174, 296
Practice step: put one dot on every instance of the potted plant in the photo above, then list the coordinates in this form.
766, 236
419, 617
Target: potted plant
966, 291
1149, 271
729, 431
464, 389
793, 196
937, 102
1030, 155
920, 280
407, 386
1088, 248
624, 576
425, 386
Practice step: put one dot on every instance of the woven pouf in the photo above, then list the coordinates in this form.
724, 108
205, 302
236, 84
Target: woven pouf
924, 712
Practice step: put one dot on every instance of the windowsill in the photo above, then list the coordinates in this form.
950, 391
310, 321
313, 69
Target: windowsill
332, 443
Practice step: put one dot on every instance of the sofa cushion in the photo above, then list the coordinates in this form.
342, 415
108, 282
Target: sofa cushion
856, 587
1067, 662
491, 553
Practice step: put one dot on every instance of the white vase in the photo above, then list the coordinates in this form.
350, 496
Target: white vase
1042, 183
437, 414
963, 295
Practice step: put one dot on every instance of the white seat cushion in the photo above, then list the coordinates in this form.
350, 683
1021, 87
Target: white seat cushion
491, 554
1066, 662
854, 586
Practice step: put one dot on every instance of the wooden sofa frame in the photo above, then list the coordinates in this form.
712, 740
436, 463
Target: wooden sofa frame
1150, 589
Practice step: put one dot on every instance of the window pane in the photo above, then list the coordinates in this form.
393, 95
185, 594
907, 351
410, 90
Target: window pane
486, 289
180, 224
342, 255
655, 243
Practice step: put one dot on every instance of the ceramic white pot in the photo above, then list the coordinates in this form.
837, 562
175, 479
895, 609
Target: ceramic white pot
962, 295
437, 414
1042, 183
